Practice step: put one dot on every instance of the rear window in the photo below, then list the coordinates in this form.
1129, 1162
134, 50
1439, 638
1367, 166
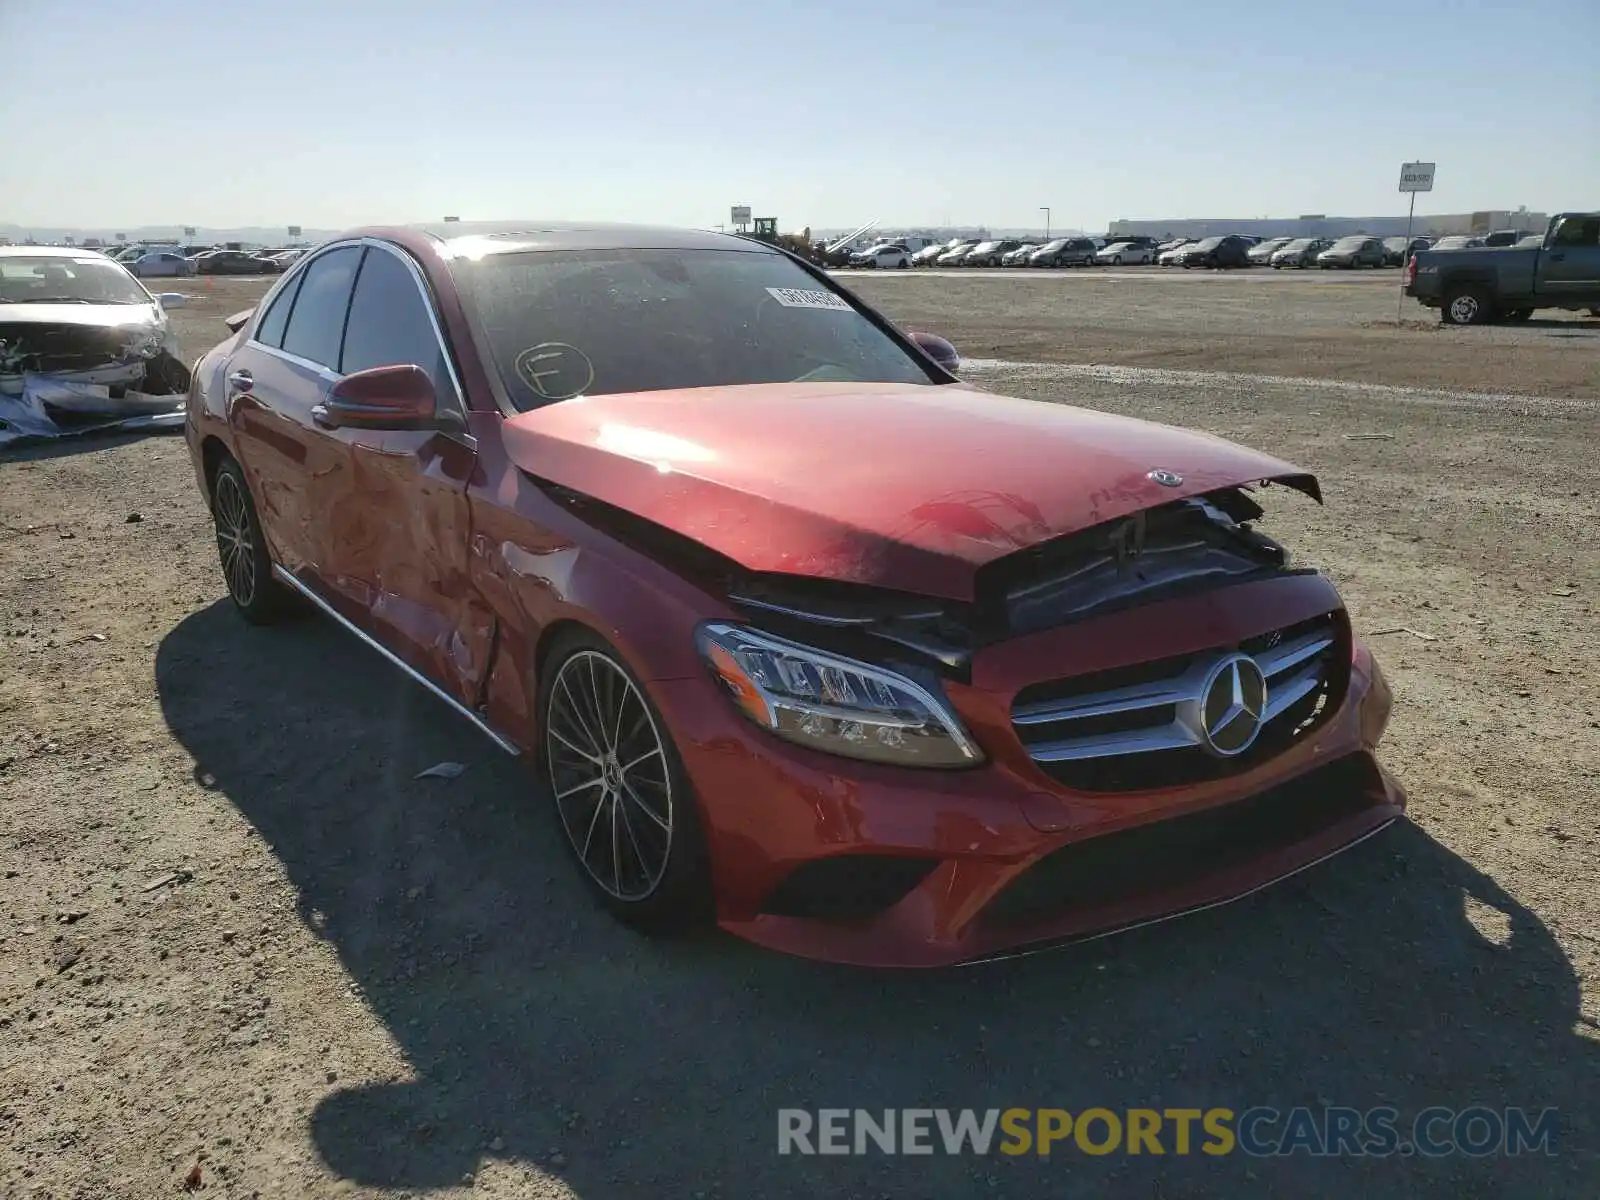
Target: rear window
566, 323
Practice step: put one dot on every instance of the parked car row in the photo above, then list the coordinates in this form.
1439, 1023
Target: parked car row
1011, 252
148, 262
1217, 252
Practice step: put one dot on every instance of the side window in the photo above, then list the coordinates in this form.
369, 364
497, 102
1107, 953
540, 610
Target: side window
317, 323
1578, 231
389, 322
270, 331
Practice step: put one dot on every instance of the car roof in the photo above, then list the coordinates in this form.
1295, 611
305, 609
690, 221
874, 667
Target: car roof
472, 239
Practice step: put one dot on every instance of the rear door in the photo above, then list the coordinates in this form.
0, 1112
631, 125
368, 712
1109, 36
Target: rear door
398, 523
1569, 269
273, 381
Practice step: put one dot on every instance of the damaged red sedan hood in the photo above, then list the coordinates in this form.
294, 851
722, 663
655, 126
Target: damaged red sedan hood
897, 485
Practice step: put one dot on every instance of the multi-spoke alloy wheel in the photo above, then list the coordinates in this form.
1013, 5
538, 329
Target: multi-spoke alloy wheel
235, 541
246, 562
610, 775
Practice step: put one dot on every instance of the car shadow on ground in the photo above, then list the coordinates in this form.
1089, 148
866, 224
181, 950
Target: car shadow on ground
538, 1030
43, 449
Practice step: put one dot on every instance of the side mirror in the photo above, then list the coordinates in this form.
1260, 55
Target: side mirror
936, 348
397, 397
172, 299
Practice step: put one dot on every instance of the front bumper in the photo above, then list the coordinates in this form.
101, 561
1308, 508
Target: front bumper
967, 865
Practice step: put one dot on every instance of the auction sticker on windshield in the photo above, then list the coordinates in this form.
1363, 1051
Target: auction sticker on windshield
801, 298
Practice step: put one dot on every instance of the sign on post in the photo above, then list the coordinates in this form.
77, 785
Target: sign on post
1416, 177
451, 220
741, 215
122, 237
294, 231
188, 231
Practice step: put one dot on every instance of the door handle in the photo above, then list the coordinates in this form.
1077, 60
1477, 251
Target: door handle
1557, 257
321, 418
241, 381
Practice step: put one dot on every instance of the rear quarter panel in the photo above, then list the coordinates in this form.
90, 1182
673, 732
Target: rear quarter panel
1507, 272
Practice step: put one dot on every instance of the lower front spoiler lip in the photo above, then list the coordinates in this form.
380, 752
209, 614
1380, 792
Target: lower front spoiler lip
898, 940
1032, 948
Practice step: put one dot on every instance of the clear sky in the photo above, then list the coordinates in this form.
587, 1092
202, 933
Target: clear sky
337, 112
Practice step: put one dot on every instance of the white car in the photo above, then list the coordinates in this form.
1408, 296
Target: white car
1120, 253
158, 263
886, 254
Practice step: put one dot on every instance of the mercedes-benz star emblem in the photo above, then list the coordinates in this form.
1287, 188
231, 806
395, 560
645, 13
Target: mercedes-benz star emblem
1233, 698
1165, 478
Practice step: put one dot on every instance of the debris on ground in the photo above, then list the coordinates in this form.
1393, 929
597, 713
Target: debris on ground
168, 880
444, 770
1416, 633
55, 407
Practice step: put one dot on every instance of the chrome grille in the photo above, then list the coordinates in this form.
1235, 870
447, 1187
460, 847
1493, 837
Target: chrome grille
1143, 726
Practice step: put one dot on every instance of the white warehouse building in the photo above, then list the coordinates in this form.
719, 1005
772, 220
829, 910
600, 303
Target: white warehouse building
1321, 225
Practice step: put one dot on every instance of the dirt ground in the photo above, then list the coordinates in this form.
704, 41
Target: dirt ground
237, 934
1322, 324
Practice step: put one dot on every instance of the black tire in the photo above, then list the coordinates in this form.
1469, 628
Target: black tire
673, 891
242, 550
1594, 312
1116, 260
1466, 304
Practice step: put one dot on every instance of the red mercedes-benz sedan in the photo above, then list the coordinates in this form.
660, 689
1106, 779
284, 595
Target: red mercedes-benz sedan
803, 634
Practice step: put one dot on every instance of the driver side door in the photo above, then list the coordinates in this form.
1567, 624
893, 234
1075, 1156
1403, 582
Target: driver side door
1569, 268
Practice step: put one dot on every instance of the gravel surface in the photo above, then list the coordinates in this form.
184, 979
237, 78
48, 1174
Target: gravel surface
1326, 324
237, 935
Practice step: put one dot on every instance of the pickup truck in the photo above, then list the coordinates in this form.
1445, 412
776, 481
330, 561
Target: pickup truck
1472, 287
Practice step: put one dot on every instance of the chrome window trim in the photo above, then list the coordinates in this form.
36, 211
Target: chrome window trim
331, 374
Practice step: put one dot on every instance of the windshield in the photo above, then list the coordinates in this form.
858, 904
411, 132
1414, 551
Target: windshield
1115, 246
1209, 244
1300, 244
594, 322
89, 279
1349, 243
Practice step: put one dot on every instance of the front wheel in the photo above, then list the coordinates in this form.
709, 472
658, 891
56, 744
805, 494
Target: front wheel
246, 562
619, 790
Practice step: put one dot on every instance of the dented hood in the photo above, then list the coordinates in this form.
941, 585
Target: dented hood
897, 485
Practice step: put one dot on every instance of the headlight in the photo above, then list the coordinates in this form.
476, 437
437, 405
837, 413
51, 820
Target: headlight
833, 703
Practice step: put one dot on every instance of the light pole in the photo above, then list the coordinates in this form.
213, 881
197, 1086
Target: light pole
1046, 211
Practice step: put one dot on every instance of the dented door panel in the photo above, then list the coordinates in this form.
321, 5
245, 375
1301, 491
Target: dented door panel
535, 564
398, 538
